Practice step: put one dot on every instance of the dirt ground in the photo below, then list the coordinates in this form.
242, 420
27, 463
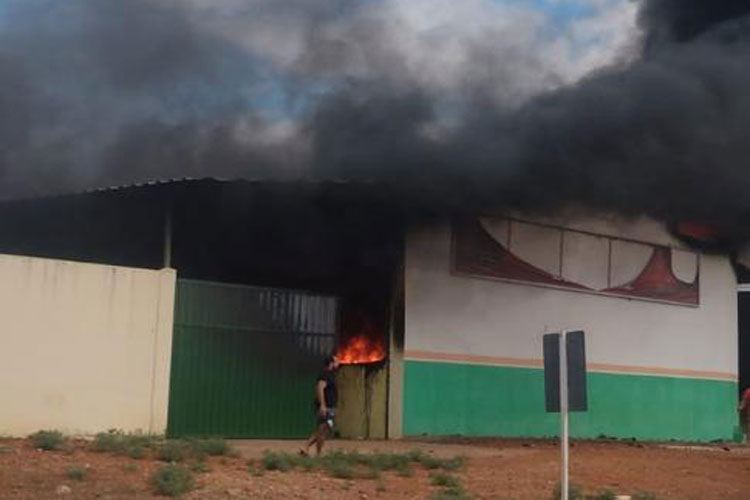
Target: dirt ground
495, 469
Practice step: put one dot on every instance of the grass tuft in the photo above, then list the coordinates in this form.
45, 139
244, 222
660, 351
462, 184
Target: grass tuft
133, 445
76, 473
47, 440
278, 461
173, 451
353, 464
213, 447
444, 479
576, 493
172, 480
451, 494
340, 470
604, 495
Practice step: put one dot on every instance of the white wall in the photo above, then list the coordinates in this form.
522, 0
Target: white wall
474, 317
85, 347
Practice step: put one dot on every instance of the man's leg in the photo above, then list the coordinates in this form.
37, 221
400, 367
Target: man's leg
322, 434
316, 438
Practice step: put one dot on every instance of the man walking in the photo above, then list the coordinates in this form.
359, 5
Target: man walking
326, 398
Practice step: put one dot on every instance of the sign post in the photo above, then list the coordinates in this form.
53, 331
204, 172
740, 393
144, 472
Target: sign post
564, 439
565, 387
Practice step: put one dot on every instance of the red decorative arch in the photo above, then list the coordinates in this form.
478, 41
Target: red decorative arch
477, 253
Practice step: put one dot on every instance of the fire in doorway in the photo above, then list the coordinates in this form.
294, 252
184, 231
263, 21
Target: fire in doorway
365, 346
362, 338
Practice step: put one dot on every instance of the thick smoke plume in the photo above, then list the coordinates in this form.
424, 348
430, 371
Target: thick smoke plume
666, 135
474, 103
101, 92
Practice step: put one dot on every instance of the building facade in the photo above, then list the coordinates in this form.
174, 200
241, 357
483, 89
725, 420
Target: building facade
267, 280
660, 323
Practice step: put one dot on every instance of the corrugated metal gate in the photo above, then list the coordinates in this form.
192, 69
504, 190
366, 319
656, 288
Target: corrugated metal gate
244, 359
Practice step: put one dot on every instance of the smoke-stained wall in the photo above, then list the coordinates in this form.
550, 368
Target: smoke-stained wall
86, 347
473, 344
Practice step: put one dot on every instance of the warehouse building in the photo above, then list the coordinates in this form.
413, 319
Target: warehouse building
203, 307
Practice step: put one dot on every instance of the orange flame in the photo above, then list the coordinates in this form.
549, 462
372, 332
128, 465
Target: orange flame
361, 349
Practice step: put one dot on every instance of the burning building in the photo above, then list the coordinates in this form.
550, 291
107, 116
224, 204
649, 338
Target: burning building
433, 268
438, 320
271, 277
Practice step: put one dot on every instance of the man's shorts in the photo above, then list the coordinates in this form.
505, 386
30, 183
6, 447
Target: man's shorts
329, 418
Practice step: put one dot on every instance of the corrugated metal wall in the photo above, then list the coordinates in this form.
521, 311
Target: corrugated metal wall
245, 359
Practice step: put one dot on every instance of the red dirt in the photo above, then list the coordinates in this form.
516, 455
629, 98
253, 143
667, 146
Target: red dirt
495, 469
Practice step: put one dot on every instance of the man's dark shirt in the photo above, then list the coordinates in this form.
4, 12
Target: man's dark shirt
331, 392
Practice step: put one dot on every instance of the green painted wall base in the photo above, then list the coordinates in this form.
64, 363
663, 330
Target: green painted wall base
474, 400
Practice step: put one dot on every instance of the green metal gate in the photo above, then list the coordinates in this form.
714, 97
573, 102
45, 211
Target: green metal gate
244, 359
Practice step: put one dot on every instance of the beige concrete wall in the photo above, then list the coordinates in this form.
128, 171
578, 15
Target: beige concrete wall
85, 347
475, 318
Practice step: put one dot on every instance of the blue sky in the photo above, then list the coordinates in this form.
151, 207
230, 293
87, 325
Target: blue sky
564, 10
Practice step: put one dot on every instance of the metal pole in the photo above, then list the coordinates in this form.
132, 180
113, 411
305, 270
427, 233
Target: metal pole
167, 262
563, 416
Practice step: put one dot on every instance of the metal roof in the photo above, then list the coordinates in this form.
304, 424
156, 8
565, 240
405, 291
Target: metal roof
189, 180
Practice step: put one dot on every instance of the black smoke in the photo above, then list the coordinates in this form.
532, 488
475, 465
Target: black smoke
104, 92
667, 135
680, 21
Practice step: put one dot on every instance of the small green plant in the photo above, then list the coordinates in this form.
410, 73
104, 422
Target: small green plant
116, 441
404, 470
358, 465
307, 463
277, 461
211, 447
136, 452
76, 473
130, 467
340, 470
605, 495
172, 480
574, 493
110, 441
443, 479
451, 494
173, 451
454, 463
47, 440
431, 463
441, 463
